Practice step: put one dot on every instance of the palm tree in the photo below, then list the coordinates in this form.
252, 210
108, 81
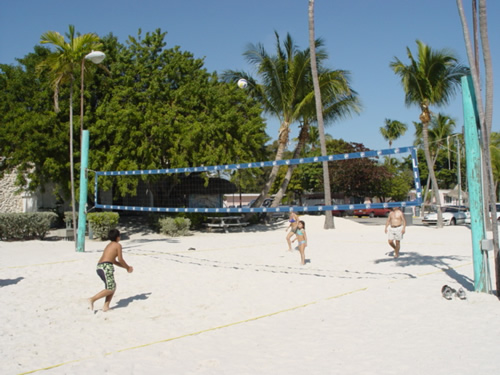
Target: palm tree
393, 130
281, 93
313, 141
62, 65
286, 90
339, 100
319, 116
440, 128
432, 79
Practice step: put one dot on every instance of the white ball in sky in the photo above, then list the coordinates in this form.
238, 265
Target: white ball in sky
242, 83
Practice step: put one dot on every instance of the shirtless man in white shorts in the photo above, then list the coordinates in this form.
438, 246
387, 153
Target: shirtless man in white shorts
395, 228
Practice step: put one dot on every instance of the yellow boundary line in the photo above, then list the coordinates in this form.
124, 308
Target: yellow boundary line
199, 332
236, 323
232, 324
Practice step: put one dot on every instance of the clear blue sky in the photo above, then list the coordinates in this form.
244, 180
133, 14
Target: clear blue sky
361, 36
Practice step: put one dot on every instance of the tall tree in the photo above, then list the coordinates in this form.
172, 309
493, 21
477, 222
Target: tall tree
283, 89
393, 130
287, 92
360, 177
440, 128
159, 109
337, 103
431, 79
62, 66
319, 116
33, 142
164, 110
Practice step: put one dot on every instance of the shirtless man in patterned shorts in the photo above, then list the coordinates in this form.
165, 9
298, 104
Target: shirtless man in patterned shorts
112, 255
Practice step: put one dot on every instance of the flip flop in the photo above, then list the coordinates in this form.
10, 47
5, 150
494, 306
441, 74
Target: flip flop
447, 292
461, 294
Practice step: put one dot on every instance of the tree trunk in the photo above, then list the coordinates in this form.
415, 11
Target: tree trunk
488, 121
329, 224
428, 183
282, 142
73, 203
303, 136
425, 118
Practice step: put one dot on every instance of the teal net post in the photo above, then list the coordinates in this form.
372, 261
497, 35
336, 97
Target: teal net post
82, 212
475, 184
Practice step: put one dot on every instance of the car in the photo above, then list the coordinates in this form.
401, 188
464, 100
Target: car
452, 215
467, 217
372, 212
467, 214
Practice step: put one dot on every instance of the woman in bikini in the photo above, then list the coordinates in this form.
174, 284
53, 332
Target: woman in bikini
301, 236
293, 220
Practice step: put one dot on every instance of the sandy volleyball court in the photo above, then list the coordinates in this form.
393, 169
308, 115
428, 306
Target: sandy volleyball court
239, 303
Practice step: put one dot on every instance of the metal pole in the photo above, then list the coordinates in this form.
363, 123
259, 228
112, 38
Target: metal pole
82, 213
474, 181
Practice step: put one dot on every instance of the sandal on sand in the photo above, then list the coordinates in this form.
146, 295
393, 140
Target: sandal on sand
461, 294
447, 292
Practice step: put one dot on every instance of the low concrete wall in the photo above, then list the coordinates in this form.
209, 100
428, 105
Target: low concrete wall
10, 201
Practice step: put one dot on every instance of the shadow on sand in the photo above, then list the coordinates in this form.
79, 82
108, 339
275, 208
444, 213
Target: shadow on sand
127, 301
442, 263
7, 282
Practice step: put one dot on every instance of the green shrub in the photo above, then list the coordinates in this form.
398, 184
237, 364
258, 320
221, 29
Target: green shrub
195, 218
40, 223
174, 227
24, 226
101, 223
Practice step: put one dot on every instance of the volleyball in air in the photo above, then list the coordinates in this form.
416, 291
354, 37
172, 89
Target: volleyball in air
242, 83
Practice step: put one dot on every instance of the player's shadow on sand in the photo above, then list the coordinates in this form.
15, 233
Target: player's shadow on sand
7, 282
127, 301
442, 263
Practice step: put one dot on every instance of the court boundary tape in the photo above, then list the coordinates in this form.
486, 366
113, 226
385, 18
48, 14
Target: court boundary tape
234, 323
201, 331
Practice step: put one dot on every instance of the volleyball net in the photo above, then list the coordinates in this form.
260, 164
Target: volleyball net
198, 190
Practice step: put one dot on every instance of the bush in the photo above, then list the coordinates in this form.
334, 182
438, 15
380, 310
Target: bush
40, 223
24, 226
174, 227
101, 222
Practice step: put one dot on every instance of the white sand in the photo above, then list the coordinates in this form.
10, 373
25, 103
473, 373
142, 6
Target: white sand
241, 304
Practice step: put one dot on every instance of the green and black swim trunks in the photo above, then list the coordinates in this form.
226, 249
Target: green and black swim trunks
106, 272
